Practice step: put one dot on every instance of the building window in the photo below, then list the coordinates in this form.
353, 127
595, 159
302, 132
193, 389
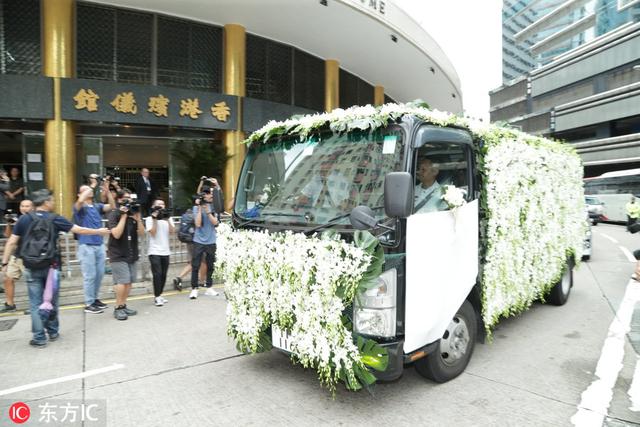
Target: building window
308, 81
269, 73
189, 55
114, 44
354, 90
20, 37
134, 34
95, 42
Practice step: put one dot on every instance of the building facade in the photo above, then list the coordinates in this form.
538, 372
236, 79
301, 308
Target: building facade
583, 84
114, 86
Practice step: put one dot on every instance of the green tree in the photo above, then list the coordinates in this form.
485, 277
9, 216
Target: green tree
192, 160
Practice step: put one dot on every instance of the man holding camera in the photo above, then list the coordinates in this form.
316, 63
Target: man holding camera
159, 225
125, 224
15, 268
204, 239
88, 213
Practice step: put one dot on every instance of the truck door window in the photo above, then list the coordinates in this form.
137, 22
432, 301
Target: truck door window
436, 166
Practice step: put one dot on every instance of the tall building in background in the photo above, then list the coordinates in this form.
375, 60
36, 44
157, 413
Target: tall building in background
571, 70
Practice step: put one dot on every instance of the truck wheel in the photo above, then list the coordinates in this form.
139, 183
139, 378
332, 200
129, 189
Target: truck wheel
560, 292
454, 351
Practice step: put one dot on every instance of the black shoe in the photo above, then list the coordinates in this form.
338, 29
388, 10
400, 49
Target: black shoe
54, 337
92, 309
99, 304
129, 311
7, 308
1, 290
37, 344
177, 284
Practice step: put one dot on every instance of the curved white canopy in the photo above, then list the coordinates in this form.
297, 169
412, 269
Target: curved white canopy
373, 39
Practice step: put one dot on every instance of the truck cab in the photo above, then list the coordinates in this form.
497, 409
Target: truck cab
391, 181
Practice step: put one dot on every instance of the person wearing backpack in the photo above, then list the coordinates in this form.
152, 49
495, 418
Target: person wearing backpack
37, 233
186, 230
91, 253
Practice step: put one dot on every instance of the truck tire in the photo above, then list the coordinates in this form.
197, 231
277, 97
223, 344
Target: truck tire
560, 292
452, 355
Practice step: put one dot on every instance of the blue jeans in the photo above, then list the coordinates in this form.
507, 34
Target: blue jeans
36, 280
92, 259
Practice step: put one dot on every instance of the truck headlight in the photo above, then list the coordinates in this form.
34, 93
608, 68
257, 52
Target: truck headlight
374, 311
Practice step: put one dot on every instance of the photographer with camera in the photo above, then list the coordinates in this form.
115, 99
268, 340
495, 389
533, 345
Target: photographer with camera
15, 267
88, 214
126, 225
204, 238
159, 225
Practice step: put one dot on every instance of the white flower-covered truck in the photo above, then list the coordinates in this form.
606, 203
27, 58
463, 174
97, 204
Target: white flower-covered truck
468, 223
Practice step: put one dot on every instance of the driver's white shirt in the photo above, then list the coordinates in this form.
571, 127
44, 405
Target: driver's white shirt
338, 189
434, 203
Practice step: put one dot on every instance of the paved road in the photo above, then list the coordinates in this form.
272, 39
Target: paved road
173, 365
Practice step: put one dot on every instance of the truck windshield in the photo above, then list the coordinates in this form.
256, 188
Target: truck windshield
289, 181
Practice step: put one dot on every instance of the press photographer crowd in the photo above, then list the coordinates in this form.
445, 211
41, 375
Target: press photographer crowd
32, 230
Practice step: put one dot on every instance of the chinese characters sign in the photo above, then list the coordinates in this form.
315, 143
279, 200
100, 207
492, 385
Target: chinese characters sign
99, 101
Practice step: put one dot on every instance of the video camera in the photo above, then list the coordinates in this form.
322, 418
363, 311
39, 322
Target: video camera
132, 205
218, 201
207, 179
108, 178
10, 217
162, 212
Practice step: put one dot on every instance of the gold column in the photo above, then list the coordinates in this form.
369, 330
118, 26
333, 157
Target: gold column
234, 84
378, 95
59, 139
331, 84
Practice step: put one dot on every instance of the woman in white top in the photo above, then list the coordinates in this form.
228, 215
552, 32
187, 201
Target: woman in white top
159, 225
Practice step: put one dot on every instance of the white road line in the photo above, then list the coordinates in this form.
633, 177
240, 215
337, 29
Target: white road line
634, 390
597, 397
606, 236
61, 379
627, 253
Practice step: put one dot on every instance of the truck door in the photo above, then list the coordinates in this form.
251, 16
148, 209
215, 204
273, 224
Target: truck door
442, 241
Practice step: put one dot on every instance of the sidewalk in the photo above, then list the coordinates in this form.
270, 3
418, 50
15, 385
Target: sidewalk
139, 371
72, 293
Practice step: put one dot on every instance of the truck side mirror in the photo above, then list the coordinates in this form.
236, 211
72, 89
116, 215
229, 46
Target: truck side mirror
362, 218
398, 194
218, 200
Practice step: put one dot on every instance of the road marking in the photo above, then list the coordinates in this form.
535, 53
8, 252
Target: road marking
606, 236
634, 390
627, 253
593, 407
62, 379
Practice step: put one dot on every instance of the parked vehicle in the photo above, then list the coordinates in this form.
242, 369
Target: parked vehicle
451, 271
595, 208
613, 190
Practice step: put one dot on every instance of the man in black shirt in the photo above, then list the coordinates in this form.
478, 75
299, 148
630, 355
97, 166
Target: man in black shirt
16, 190
125, 224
